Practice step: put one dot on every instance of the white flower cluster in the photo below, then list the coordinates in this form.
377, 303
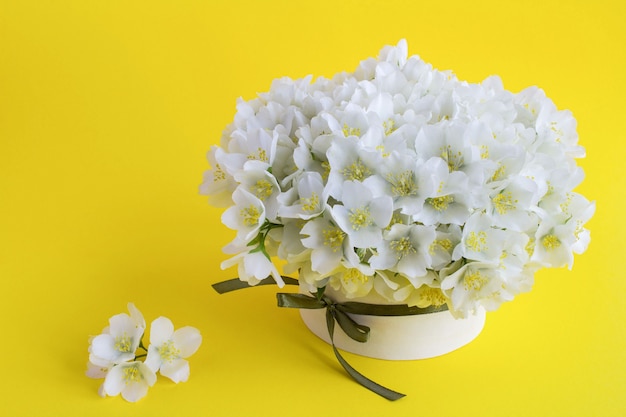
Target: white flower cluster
403, 180
113, 356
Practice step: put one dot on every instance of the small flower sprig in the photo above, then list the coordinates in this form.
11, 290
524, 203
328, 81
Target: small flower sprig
116, 354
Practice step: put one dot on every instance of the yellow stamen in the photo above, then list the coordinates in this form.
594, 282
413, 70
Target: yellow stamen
476, 241
132, 374
565, 205
218, 173
356, 172
454, 160
445, 244
350, 131
499, 174
503, 202
250, 215
333, 238
402, 247
326, 166
440, 203
530, 247
168, 352
389, 126
550, 242
353, 276
474, 281
360, 218
260, 155
262, 189
381, 149
311, 203
123, 343
484, 151
431, 296
402, 184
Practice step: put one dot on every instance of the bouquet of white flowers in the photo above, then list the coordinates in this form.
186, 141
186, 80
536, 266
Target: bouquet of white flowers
401, 180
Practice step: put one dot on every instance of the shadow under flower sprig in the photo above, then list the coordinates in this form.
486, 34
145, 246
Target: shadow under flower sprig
128, 367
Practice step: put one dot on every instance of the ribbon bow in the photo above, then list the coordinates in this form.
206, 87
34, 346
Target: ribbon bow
339, 312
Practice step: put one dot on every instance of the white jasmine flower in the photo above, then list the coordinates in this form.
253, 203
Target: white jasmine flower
441, 249
395, 55
305, 201
558, 130
218, 184
287, 241
449, 203
530, 101
246, 216
463, 147
327, 242
254, 145
552, 244
131, 379
352, 281
311, 280
362, 216
168, 349
259, 182
581, 211
480, 241
511, 205
474, 284
399, 178
119, 341
422, 292
254, 267
348, 161
556, 186
427, 295
284, 165
308, 159
405, 249
509, 158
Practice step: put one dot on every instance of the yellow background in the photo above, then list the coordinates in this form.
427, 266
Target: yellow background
106, 111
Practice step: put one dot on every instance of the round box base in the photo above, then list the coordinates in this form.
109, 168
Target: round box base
402, 337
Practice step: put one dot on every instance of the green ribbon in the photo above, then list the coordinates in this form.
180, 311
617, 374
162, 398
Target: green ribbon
339, 312
237, 284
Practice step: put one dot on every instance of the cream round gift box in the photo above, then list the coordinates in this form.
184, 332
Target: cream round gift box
418, 336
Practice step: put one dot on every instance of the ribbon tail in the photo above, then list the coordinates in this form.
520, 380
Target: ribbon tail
356, 375
237, 284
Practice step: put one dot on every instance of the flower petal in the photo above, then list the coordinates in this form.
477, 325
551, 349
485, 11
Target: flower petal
135, 391
103, 347
136, 316
114, 381
96, 371
153, 360
187, 339
148, 375
122, 325
176, 370
161, 330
